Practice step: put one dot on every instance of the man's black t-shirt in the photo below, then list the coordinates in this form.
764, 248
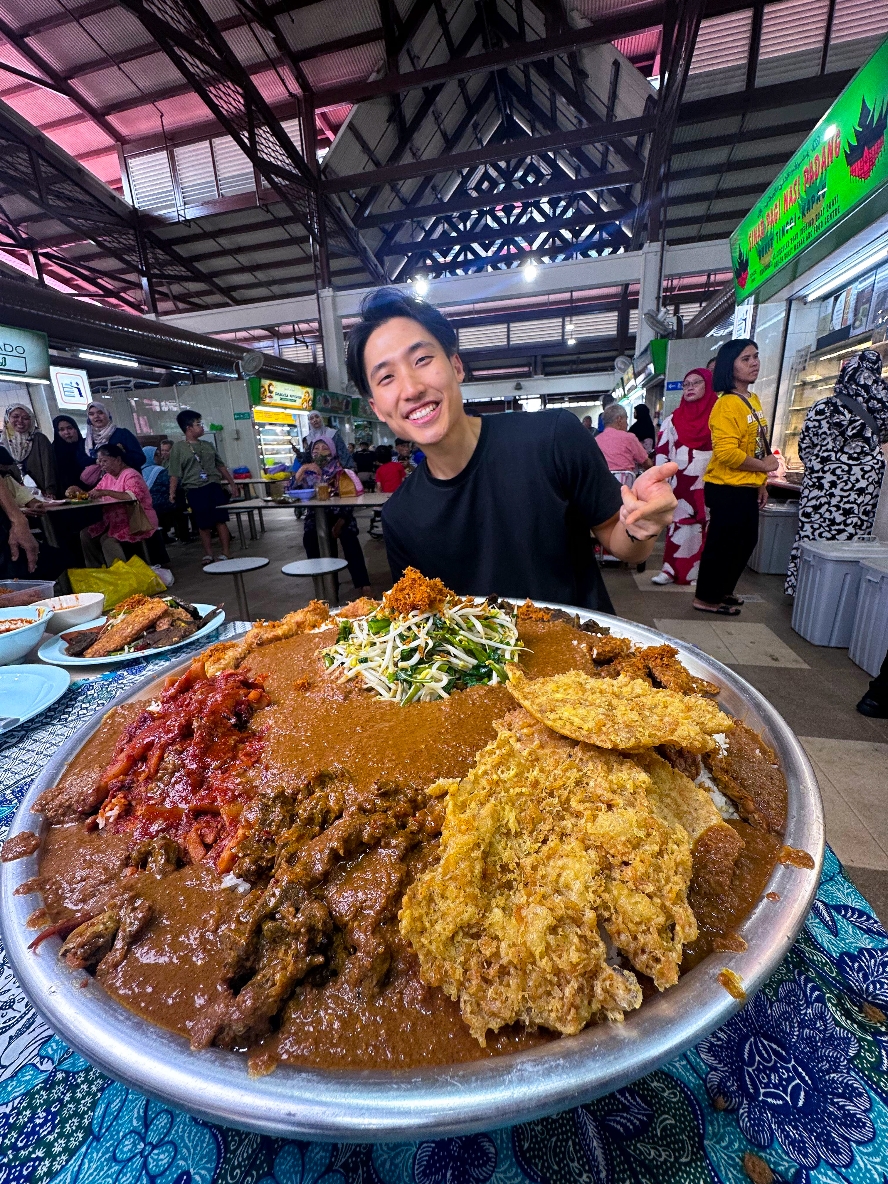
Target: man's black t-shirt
516, 520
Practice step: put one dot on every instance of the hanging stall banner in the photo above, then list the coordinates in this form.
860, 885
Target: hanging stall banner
833, 187
272, 393
332, 403
71, 387
23, 355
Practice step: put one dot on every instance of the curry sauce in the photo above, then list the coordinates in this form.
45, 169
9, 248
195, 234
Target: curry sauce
344, 990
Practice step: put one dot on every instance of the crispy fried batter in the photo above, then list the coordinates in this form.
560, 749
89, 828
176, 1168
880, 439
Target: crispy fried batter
748, 773
545, 843
415, 593
361, 607
530, 612
607, 648
129, 605
621, 713
715, 846
228, 655
127, 629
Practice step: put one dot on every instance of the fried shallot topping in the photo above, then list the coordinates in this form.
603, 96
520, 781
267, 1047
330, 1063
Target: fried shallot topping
414, 593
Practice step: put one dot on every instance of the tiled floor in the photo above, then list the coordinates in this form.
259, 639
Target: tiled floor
814, 688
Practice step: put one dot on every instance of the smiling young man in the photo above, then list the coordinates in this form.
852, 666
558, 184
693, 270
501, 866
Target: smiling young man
502, 505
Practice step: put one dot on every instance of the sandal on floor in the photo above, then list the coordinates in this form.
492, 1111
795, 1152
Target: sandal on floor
735, 601
721, 610
207, 559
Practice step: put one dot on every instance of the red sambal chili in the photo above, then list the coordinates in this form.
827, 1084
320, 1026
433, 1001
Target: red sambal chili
182, 769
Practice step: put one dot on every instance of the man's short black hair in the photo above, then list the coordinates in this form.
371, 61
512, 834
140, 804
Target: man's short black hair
400, 440
186, 418
383, 305
384, 453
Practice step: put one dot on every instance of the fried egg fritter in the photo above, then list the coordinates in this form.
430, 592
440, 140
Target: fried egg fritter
621, 713
548, 846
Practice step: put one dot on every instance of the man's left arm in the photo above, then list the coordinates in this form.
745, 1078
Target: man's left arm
226, 476
588, 483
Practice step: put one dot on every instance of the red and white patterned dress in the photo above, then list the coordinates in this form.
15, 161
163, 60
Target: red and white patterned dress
687, 534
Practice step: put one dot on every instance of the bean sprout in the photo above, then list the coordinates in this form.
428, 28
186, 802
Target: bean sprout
421, 657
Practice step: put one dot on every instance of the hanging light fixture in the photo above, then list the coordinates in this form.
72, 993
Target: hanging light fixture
531, 270
420, 286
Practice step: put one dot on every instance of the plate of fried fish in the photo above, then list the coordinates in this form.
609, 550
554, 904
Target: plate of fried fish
141, 626
412, 867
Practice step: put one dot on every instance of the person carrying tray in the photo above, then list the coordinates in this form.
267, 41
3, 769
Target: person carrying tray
504, 505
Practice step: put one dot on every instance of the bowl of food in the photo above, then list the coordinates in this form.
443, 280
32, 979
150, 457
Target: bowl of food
75, 609
20, 630
439, 864
300, 495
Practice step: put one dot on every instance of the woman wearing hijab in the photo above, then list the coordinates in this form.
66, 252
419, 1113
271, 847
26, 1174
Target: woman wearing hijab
114, 537
685, 439
101, 429
319, 431
643, 428
157, 478
840, 447
30, 449
325, 467
734, 482
70, 453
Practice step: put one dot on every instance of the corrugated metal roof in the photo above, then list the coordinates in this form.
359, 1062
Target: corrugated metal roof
856, 18
322, 22
347, 65
793, 25
723, 41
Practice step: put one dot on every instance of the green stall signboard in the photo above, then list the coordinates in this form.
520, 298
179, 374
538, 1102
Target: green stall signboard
833, 187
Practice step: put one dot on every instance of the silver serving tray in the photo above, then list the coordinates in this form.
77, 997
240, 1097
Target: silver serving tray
382, 1106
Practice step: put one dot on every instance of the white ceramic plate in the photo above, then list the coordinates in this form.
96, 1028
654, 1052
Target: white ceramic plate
26, 690
53, 650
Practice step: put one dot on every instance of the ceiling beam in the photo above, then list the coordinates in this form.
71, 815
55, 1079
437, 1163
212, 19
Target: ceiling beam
504, 197
490, 153
604, 30
60, 84
492, 234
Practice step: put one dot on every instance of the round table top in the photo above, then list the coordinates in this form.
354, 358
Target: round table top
224, 567
313, 567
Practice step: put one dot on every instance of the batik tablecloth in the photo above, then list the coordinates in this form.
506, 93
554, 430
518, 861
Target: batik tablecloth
793, 1088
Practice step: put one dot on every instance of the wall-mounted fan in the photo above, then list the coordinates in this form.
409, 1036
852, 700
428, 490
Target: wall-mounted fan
661, 323
251, 363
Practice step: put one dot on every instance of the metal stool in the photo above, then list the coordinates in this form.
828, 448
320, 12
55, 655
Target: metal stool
323, 574
236, 568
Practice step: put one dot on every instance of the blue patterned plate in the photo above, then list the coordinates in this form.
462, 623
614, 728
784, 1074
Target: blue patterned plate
25, 691
53, 650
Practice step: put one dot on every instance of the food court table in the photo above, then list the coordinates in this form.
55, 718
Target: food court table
326, 543
798, 1080
46, 513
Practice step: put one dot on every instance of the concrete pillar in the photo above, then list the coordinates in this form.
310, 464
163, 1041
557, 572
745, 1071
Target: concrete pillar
334, 341
648, 292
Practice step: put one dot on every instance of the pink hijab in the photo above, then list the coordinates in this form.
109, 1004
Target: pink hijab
691, 420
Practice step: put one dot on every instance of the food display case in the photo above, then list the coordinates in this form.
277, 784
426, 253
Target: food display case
814, 377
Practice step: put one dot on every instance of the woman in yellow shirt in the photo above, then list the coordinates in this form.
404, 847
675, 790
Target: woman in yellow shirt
734, 481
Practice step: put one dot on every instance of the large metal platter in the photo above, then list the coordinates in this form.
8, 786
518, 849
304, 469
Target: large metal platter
380, 1106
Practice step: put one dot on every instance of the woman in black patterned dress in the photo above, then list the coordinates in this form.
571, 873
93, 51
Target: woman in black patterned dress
843, 459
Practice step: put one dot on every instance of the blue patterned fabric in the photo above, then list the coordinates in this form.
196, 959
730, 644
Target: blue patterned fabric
797, 1079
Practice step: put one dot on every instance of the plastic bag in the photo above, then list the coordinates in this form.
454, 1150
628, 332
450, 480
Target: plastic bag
118, 582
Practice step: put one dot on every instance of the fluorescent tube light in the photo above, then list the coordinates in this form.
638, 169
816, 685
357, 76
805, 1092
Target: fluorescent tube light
90, 357
839, 281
